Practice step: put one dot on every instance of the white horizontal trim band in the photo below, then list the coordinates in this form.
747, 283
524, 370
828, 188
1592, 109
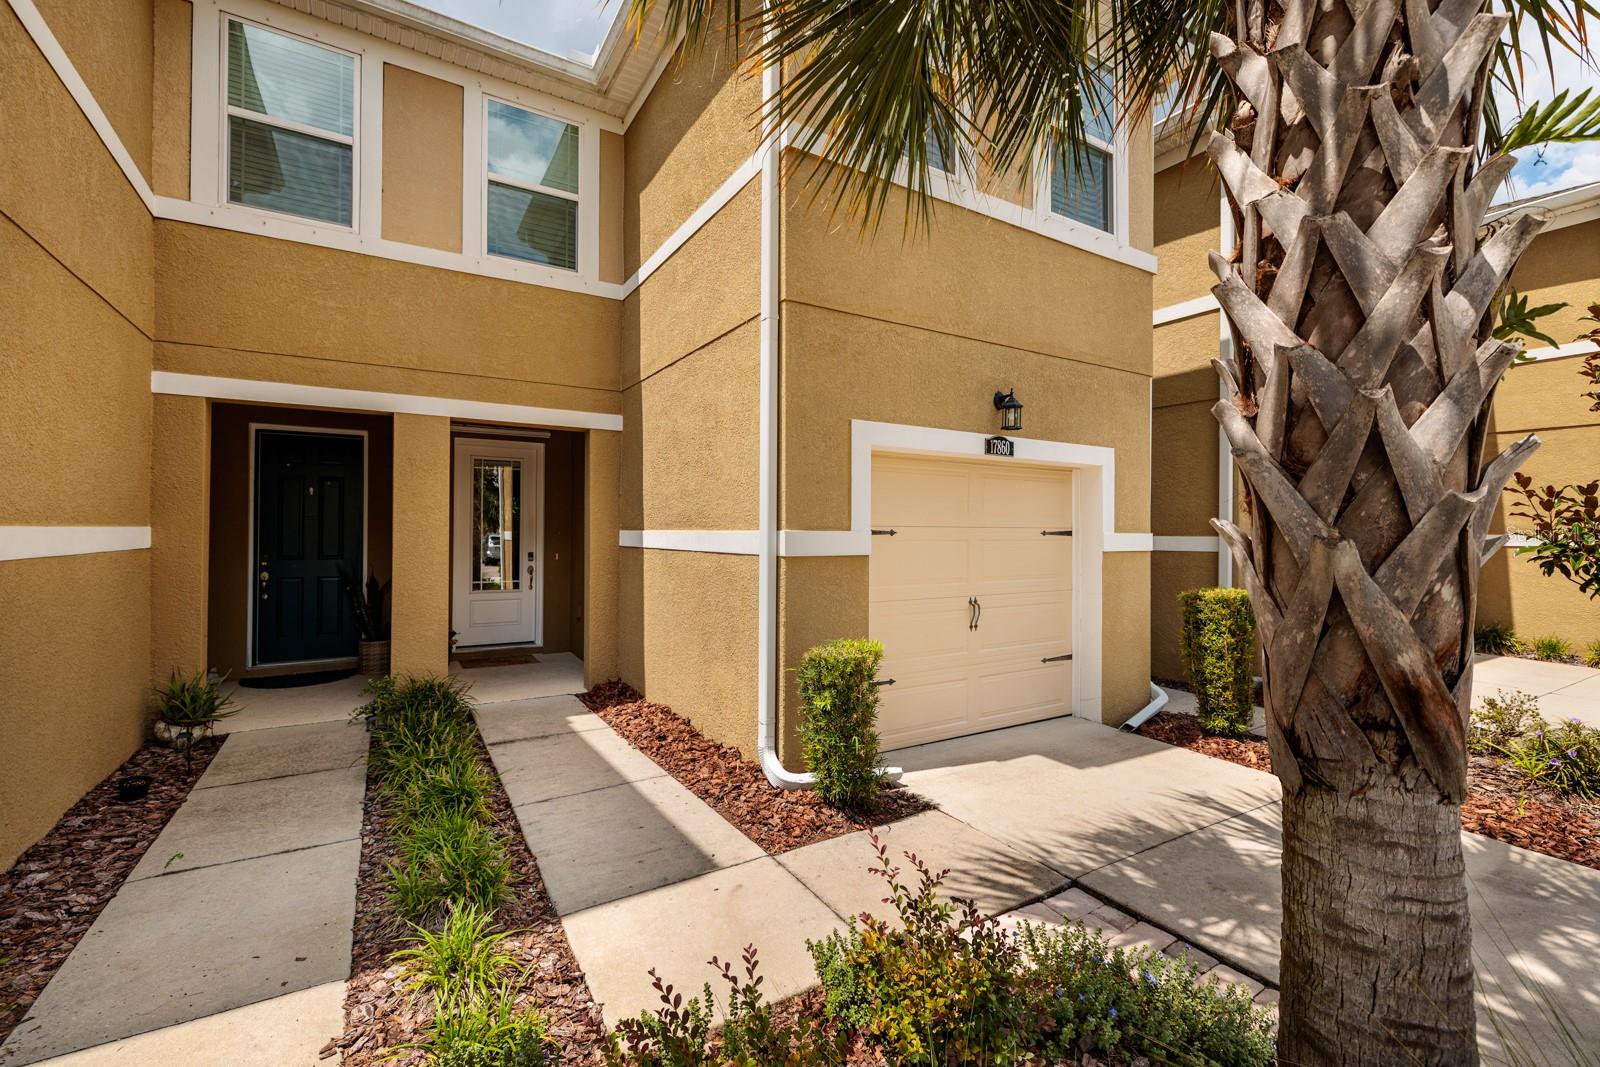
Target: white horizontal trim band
41, 542
1573, 348
707, 211
1167, 543
724, 542
319, 396
1200, 305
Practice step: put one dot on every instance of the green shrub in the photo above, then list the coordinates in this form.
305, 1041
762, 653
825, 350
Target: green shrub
447, 862
1137, 1004
1501, 721
1218, 647
1498, 639
1591, 655
193, 701
943, 988
464, 957
1551, 647
839, 724
679, 1033
456, 784
475, 1030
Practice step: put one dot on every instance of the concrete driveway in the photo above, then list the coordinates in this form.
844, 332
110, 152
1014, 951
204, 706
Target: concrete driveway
1191, 844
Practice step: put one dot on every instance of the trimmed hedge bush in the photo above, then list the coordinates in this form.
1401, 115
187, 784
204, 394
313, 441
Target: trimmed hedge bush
1218, 646
839, 721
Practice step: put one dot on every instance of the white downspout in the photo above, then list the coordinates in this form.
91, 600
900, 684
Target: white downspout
767, 506
1224, 449
1158, 700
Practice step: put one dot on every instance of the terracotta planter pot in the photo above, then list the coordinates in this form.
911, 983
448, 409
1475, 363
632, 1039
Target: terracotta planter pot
373, 657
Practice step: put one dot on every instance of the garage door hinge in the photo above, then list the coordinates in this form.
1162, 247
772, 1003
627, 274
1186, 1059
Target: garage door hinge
883, 681
1055, 533
1056, 659
884, 533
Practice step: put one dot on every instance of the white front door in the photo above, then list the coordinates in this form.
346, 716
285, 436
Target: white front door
498, 543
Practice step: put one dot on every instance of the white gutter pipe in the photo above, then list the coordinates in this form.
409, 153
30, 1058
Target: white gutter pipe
1158, 700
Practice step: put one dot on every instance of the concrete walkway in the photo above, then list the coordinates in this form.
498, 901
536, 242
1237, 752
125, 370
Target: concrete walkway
230, 941
1564, 691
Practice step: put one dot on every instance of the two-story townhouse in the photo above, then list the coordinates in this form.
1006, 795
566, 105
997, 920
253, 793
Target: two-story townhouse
568, 353
1194, 477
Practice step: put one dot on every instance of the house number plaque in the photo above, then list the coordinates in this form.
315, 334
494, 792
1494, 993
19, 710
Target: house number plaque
999, 446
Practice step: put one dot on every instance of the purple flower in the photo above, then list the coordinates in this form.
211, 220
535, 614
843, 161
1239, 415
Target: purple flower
1572, 753
1575, 721
1555, 763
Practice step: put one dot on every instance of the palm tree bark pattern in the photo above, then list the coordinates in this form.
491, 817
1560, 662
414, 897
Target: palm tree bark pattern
1360, 301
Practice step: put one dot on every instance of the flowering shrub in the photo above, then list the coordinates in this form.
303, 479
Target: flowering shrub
1502, 720
945, 988
1562, 756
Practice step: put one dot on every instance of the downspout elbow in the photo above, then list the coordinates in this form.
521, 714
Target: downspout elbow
1158, 700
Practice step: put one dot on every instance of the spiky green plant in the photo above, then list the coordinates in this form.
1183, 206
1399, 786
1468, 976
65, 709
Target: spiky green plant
1551, 647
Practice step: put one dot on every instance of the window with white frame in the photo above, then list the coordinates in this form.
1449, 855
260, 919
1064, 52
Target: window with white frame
291, 124
532, 206
1083, 184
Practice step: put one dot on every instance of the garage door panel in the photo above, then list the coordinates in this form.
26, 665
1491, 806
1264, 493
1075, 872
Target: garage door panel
936, 706
1016, 498
1016, 692
916, 493
921, 563
1030, 561
1025, 624
915, 630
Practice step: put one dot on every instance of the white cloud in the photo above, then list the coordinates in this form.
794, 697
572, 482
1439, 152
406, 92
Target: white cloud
572, 28
1550, 168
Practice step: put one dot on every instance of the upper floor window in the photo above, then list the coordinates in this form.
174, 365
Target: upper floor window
291, 124
1083, 184
533, 186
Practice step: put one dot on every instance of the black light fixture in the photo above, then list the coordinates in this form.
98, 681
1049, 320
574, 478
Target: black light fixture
1010, 409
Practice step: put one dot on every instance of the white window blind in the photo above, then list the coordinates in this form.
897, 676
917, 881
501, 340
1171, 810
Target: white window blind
291, 124
533, 186
1083, 183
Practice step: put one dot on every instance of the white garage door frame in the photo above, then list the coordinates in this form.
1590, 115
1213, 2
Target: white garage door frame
1093, 518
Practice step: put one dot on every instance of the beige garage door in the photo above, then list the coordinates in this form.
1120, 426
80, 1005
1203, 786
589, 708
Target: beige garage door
970, 596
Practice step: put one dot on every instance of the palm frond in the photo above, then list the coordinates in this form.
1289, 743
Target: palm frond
1518, 319
1567, 119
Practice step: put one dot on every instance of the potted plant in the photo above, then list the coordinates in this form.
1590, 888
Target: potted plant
190, 705
372, 623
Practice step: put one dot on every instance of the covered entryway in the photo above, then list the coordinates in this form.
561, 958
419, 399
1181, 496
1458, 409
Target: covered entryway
970, 594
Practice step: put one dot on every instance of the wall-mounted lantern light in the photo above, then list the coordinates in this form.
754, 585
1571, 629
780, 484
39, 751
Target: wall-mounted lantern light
1010, 409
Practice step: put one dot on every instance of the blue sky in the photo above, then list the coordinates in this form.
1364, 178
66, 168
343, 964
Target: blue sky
571, 28
1557, 167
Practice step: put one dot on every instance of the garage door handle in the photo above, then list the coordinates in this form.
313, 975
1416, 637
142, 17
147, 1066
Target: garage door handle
979, 619
1056, 659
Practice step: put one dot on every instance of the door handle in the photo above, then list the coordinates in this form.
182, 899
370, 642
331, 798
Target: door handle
972, 613
979, 619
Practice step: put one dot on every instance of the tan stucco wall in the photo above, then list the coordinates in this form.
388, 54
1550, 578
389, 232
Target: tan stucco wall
1562, 266
820, 598
602, 621
1183, 480
420, 599
169, 117
839, 367
180, 534
613, 210
689, 637
111, 43
694, 130
422, 149
75, 417
1124, 635
231, 486
1170, 574
1184, 350
1187, 228
73, 682
244, 306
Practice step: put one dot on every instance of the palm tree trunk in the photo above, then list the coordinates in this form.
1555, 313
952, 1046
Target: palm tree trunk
1360, 301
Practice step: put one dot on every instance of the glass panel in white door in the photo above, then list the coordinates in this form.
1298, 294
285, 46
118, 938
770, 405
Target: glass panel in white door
497, 542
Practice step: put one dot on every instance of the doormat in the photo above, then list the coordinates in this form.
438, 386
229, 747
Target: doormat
294, 681
495, 657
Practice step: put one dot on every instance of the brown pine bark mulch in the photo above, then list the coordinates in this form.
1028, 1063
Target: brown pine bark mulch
58, 887
1501, 803
777, 820
380, 1015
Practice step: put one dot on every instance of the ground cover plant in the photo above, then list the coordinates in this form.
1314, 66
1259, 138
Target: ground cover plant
1498, 639
839, 721
1564, 756
57, 888
944, 985
460, 960
1217, 644
1502, 801
1552, 648
775, 819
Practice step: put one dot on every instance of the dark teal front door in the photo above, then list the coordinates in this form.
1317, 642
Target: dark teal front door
308, 503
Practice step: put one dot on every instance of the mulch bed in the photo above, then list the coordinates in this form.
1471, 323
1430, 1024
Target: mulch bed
1501, 803
58, 887
380, 1015
778, 820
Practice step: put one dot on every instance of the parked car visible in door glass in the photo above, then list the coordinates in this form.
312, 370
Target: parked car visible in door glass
491, 550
